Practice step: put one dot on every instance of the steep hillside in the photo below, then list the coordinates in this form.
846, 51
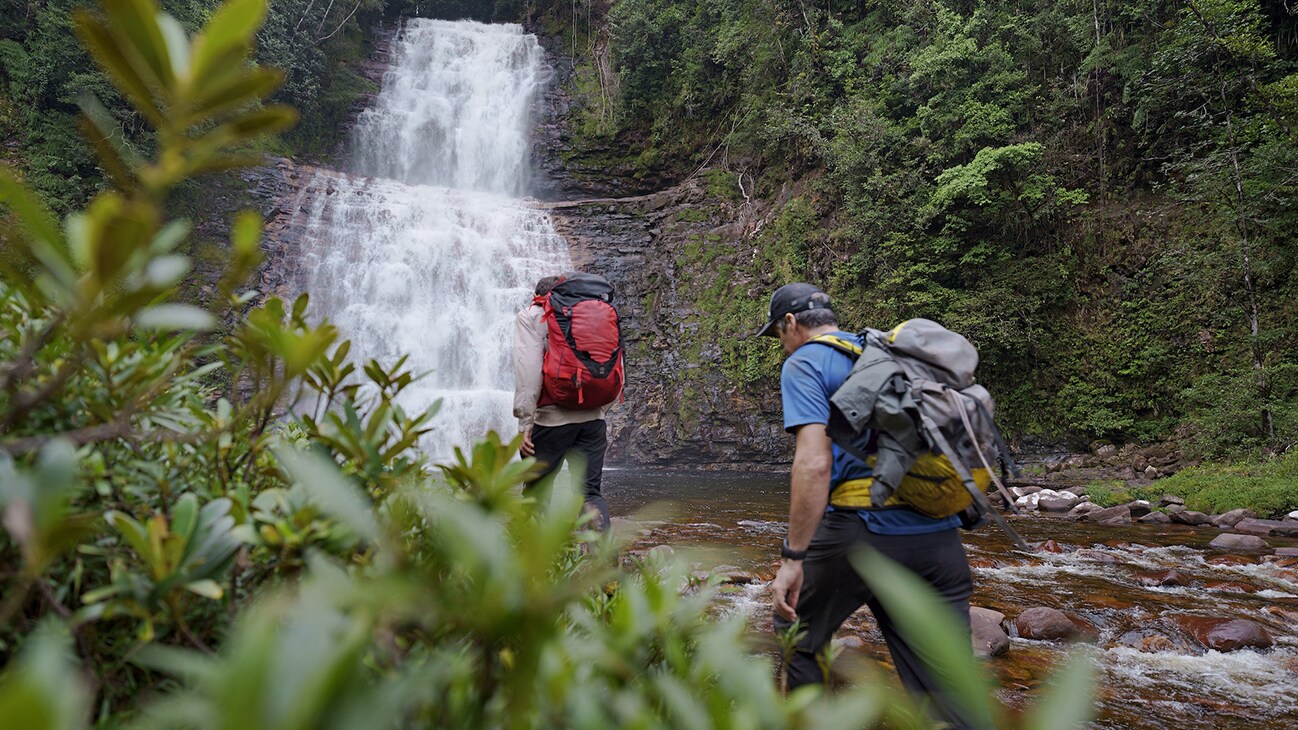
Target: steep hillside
1098, 194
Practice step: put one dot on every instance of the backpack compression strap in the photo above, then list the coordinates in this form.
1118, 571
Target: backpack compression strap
845, 346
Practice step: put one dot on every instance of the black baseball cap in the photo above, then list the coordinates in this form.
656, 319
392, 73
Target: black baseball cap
791, 299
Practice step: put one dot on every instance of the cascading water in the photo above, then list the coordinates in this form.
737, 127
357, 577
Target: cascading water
432, 253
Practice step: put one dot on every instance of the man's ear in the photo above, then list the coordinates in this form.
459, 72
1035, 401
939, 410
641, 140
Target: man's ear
790, 321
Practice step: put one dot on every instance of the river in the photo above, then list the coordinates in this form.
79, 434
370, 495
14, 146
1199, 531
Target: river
739, 519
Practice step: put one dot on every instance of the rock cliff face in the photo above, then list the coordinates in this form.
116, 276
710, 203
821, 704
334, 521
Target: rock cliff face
681, 408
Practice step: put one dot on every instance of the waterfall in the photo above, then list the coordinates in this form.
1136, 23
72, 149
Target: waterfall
426, 249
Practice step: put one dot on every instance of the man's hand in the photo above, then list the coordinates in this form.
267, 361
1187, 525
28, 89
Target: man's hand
785, 589
528, 448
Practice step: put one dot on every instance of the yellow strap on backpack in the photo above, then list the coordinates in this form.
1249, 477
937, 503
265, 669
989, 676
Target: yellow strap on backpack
931, 487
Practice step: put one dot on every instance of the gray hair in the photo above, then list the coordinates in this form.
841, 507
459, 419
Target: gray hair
812, 318
544, 286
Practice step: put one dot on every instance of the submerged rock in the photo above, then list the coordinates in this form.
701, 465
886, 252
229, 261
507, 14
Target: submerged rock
1146, 641
1139, 508
1083, 509
1232, 541
1222, 634
1044, 624
1119, 515
1267, 527
989, 639
1190, 517
1049, 546
1170, 578
1233, 517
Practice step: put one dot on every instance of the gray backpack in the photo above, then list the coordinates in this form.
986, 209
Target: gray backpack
936, 438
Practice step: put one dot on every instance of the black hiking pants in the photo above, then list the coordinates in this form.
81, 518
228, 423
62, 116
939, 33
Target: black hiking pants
588, 439
832, 591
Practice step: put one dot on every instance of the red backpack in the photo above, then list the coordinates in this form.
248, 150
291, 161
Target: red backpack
583, 361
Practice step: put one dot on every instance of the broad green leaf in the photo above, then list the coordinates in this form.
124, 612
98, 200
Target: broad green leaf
134, 24
235, 92
175, 317
206, 588
177, 45
937, 636
44, 689
1069, 700
164, 272
328, 488
232, 27
103, 46
184, 516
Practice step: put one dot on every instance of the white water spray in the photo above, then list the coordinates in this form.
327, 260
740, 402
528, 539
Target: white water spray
433, 254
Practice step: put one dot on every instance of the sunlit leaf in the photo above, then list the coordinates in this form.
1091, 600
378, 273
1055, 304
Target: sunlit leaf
175, 317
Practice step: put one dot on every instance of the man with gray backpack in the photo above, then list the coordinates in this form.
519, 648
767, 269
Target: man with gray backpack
867, 470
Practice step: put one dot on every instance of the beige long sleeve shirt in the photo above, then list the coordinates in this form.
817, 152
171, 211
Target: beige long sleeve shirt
530, 343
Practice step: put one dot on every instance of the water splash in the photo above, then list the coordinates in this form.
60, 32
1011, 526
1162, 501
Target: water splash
432, 254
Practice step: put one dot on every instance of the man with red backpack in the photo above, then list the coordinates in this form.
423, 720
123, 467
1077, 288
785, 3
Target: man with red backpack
568, 371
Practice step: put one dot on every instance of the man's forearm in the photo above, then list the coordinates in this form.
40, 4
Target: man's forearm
809, 493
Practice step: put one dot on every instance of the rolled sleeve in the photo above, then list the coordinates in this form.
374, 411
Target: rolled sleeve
529, 359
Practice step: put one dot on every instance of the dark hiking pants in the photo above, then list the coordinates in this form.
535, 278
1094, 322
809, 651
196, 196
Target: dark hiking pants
832, 591
589, 440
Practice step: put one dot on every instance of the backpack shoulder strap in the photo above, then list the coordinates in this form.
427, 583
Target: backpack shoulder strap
843, 345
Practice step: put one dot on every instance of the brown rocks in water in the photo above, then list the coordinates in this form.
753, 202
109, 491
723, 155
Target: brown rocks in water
1083, 509
1232, 541
1139, 508
1145, 641
1049, 546
1229, 587
1288, 552
989, 639
1155, 518
849, 642
1044, 624
1233, 517
1267, 527
1231, 560
1190, 517
1222, 634
1119, 515
1098, 556
1286, 615
1167, 499
1170, 578
732, 574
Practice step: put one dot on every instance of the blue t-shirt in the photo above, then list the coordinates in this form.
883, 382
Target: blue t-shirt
810, 376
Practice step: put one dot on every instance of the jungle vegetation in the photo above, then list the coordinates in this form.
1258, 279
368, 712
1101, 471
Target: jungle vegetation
1099, 194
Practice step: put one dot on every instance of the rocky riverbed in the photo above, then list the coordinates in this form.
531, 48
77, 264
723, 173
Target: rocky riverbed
1188, 633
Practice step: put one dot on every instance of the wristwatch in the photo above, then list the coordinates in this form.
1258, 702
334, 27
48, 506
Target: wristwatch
790, 553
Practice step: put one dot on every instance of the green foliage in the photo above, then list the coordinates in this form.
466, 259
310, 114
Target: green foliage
1109, 492
1096, 194
1265, 486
